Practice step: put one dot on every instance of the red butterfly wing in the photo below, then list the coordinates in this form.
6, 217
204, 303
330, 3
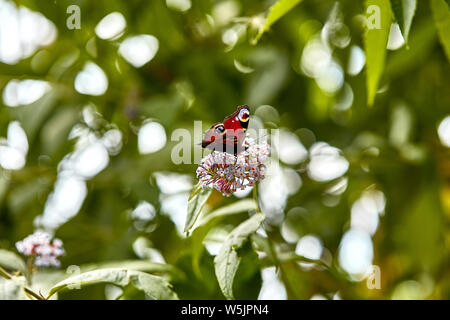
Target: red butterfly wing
236, 125
229, 135
214, 136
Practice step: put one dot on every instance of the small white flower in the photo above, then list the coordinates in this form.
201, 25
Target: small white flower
228, 173
39, 245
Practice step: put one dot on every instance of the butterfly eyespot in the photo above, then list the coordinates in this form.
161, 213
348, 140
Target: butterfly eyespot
244, 115
219, 129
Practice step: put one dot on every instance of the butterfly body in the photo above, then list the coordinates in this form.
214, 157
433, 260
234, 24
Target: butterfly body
228, 135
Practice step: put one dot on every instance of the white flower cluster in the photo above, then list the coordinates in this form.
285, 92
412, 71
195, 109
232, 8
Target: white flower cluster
39, 245
227, 173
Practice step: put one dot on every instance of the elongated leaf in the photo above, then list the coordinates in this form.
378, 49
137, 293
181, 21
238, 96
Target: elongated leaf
397, 9
409, 9
151, 285
195, 205
441, 16
379, 18
207, 222
12, 261
237, 207
139, 265
276, 11
228, 259
404, 11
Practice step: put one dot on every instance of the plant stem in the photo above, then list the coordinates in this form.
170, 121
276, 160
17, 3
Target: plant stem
4, 273
29, 268
256, 198
33, 294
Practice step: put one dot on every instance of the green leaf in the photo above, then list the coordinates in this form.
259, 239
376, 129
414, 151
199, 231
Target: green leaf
441, 16
195, 205
207, 222
12, 261
397, 9
247, 282
154, 286
276, 11
404, 11
379, 18
237, 207
139, 265
228, 259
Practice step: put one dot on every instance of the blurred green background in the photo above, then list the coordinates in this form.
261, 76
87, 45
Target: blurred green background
358, 185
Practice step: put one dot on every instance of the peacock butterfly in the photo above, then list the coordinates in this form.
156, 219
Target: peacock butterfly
228, 135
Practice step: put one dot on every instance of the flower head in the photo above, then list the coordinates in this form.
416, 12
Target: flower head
227, 173
39, 245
